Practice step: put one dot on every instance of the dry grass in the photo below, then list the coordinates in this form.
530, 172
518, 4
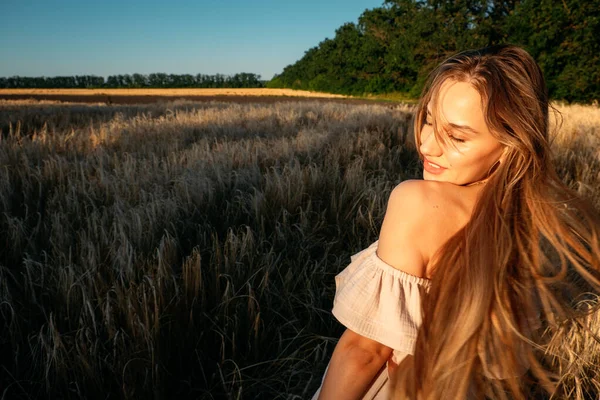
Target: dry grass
188, 249
576, 140
175, 92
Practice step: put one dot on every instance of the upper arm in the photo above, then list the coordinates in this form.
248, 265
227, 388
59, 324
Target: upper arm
363, 348
406, 226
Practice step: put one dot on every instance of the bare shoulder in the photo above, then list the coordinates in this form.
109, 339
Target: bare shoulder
420, 217
431, 195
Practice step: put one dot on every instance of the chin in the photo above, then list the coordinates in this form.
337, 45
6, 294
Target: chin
431, 177
436, 178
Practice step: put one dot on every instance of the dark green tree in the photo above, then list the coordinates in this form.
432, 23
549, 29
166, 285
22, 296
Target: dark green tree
394, 47
564, 37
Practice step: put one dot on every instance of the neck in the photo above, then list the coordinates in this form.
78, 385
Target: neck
481, 182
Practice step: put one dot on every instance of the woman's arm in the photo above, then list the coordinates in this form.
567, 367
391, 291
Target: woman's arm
356, 359
355, 362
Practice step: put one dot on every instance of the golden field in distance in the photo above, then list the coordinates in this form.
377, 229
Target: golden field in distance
173, 92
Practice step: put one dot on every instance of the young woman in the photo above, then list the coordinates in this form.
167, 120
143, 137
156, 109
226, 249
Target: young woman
480, 266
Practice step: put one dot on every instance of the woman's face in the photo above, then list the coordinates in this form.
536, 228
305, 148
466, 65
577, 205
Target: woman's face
471, 151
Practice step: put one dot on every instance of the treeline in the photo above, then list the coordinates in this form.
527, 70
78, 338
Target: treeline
157, 80
394, 47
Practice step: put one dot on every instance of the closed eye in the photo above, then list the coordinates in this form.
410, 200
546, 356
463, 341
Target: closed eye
453, 138
457, 140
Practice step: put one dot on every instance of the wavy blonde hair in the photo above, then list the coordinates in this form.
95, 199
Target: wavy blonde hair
524, 273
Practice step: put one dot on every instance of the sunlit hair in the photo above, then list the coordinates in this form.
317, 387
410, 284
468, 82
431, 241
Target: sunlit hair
509, 288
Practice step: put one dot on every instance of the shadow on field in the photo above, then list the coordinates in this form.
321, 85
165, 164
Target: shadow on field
184, 249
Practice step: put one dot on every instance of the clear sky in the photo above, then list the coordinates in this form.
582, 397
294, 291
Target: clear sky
81, 37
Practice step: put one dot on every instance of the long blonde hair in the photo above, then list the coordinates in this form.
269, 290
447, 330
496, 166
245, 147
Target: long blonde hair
526, 267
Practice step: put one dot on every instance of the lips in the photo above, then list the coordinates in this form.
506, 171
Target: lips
432, 168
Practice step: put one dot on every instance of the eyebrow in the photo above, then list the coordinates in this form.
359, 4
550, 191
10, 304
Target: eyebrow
464, 128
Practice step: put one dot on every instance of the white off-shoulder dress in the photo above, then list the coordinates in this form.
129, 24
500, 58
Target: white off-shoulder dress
382, 303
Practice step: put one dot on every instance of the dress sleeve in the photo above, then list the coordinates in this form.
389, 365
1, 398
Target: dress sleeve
379, 301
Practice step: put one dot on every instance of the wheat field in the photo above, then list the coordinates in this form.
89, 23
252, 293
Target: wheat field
176, 92
188, 250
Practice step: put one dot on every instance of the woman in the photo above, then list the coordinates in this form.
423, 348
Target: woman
479, 266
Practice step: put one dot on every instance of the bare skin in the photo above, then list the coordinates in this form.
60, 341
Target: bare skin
421, 216
407, 244
468, 149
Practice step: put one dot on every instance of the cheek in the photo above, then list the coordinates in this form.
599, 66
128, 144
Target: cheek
468, 157
458, 158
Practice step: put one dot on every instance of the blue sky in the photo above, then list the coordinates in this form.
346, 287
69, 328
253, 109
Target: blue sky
77, 37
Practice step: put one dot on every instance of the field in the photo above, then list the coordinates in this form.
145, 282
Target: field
145, 96
176, 92
188, 249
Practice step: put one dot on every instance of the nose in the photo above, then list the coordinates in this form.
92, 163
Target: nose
429, 144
